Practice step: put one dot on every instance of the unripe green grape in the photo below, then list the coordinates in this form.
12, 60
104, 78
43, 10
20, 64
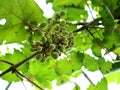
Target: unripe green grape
39, 48
51, 46
63, 22
57, 27
37, 44
55, 55
57, 16
62, 13
44, 39
32, 49
39, 56
49, 40
62, 48
42, 25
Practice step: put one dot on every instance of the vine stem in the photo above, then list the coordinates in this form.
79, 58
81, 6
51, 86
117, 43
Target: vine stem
88, 78
14, 67
6, 62
92, 23
20, 74
9, 84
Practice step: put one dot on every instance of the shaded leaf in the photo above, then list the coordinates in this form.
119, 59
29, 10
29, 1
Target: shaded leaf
105, 66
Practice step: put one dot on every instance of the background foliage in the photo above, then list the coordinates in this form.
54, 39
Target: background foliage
26, 25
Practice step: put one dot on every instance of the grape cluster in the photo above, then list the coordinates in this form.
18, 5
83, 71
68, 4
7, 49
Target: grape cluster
56, 38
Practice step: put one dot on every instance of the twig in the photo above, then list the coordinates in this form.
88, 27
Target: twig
14, 67
90, 24
89, 9
9, 84
4, 61
29, 80
88, 78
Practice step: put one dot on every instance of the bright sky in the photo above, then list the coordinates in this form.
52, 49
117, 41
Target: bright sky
81, 80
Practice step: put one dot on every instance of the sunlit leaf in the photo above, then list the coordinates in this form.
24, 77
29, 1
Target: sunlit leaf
90, 63
17, 13
114, 76
76, 14
82, 41
102, 85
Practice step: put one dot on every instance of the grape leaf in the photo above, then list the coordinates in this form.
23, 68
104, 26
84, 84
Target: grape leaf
76, 60
117, 51
96, 49
105, 66
44, 72
82, 42
67, 67
102, 85
63, 67
75, 14
17, 13
108, 18
111, 38
10, 77
114, 76
77, 87
69, 2
90, 63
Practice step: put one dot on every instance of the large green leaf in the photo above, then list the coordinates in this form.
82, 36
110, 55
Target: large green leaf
68, 67
82, 41
17, 13
44, 73
107, 17
76, 14
105, 66
90, 63
111, 38
102, 85
63, 67
76, 60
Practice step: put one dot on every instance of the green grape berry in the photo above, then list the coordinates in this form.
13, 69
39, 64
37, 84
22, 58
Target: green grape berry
51, 46
39, 56
55, 55
63, 22
57, 27
44, 39
43, 25
39, 48
49, 40
62, 13
32, 49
